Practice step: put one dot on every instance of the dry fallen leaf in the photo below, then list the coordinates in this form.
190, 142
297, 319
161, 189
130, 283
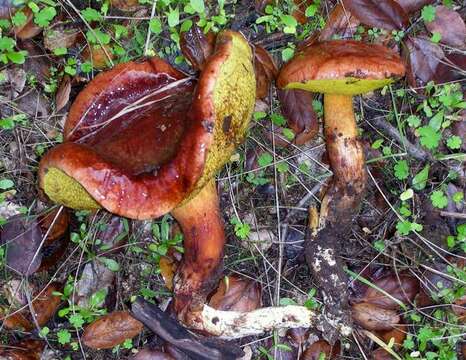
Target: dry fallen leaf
29, 349
62, 35
111, 330
341, 23
60, 220
266, 71
296, 107
397, 333
381, 354
23, 238
450, 25
29, 29
151, 354
236, 294
403, 289
196, 46
98, 56
167, 269
371, 317
126, 5
386, 14
411, 6
314, 351
300, 12
45, 305
424, 58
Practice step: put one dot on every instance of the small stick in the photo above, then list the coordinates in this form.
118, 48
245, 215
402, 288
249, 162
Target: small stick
392, 132
455, 215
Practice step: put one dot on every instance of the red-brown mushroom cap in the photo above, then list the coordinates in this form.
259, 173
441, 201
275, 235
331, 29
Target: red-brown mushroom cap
343, 67
137, 143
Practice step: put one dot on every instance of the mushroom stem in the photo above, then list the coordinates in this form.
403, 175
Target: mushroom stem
339, 204
204, 239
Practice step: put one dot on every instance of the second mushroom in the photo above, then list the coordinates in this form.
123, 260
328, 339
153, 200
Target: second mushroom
339, 69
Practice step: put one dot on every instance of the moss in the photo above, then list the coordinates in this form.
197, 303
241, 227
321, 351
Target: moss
64, 190
347, 86
234, 99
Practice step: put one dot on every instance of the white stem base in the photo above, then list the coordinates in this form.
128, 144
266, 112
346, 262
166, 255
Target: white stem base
230, 325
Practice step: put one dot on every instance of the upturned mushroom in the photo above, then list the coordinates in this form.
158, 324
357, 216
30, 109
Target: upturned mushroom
339, 69
143, 139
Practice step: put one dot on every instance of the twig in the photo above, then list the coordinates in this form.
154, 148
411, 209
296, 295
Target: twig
455, 215
392, 132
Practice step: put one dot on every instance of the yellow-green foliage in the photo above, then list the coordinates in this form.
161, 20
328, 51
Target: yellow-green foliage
63, 189
347, 86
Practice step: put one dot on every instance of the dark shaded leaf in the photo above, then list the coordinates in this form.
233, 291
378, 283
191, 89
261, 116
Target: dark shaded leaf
424, 58
450, 25
403, 290
237, 294
196, 46
314, 351
398, 333
386, 14
453, 67
54, 223
150, 354
381, 354
45, 305
266, 71
340, 22
23, 238
296, 106
29, 349
413, 5
111, 330
371, 317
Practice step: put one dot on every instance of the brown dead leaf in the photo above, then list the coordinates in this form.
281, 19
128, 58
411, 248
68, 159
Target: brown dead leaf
459, 308
37, 62
381, 354
341, 23
424, 58
29, 349
29, 29
371, 317
266, 71
98, 56
300, 12
23, 238
236, 294
196, 46
61, 35
126, 5
151, 354
114, 233
296, 107
45, 305
403, 290
397, 333
59, 219
450, 25
411, 6
111, 330
314, 351
386, 14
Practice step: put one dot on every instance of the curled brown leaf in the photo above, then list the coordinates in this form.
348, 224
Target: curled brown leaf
98, 56
28, 349
266, 71
296, 107
450, 25
196, 46
402, 288
54, 223
387, 14
29, 29
413, 5
371, 317
236, 294
111, 330
315, 351
341, 23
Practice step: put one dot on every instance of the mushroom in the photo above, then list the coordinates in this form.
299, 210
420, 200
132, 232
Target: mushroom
339, 69
142, 140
